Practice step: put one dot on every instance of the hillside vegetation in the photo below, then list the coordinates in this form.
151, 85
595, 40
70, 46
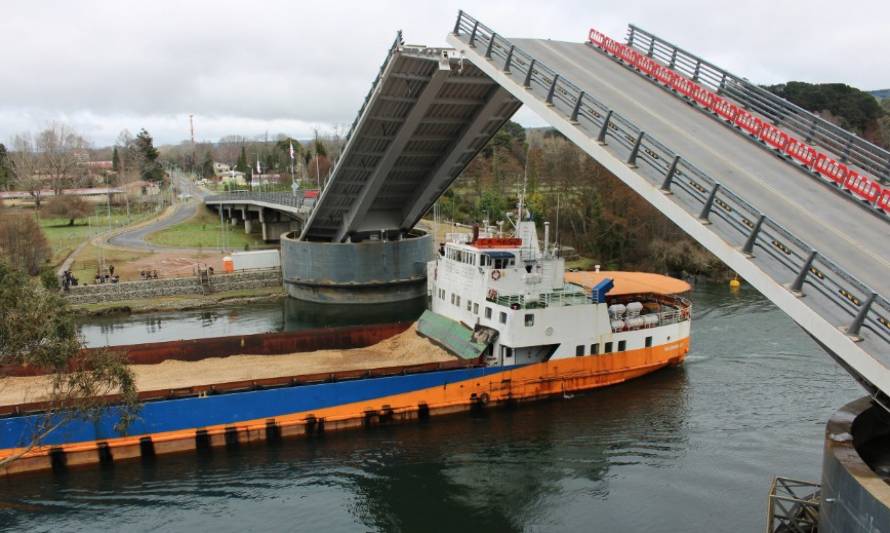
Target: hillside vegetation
846, 106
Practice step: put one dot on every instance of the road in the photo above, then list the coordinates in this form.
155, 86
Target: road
134, 238
184, 210
836, 226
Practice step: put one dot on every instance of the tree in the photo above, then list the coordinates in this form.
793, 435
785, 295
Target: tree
853, 109
115, 160
207, 166
241, 165
307, 158
38, 331
26, 167
60, 150
6, 175
22, 242
149, 166
70, 207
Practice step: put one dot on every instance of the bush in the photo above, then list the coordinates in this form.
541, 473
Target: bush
22, 243
70, 207
49, 279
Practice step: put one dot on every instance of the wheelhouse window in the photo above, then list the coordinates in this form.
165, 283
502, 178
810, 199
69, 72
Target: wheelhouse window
498, 259
503, 317
648, 342
475, 308
461, 256
622, 345
579, 350
595, 348
608, 348
529, 320
488, 312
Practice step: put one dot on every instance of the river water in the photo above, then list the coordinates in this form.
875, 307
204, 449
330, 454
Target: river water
685, 449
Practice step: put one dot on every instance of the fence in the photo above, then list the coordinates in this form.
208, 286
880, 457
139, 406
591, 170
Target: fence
814, 129
302, 199
695, 91
155, 288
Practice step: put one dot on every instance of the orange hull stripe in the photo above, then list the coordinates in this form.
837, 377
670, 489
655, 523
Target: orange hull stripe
522, 383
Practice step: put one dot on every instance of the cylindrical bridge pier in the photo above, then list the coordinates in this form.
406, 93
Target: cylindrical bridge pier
371, 271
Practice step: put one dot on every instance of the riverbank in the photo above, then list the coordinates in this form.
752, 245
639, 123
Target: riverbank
186, 302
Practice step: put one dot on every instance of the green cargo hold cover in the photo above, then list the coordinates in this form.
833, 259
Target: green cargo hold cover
452, 335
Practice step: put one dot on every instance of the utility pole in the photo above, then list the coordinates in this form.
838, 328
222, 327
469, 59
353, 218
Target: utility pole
192, 136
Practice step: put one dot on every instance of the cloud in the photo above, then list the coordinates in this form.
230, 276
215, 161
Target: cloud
278, 66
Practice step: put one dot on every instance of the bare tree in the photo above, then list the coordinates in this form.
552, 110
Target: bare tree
70, 207
22, 242
60, 149
26, 167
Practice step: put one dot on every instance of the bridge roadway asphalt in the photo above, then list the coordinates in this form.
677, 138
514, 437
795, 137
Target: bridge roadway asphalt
857, 240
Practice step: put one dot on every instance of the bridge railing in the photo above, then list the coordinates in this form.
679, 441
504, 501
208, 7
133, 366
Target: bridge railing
392, 50
814, 129
303, 199
853, 304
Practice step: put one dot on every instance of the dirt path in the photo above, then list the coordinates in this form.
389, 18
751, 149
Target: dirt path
407, 348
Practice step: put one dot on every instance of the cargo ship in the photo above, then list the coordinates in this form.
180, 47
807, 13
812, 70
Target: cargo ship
505, 324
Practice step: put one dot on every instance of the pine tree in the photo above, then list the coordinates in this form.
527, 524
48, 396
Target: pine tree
115, 160
241, 165
207, 166
149, 166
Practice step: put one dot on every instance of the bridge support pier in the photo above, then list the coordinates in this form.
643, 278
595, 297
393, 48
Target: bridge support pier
367, 272
272, 230
854, 470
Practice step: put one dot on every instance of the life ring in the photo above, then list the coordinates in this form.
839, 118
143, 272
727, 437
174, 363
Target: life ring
492, 294
684, 314
495, 275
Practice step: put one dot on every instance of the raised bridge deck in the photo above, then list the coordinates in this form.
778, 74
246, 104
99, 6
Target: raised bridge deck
814, 252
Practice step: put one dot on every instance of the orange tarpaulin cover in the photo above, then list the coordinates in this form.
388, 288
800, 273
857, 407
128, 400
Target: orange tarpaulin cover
630, 282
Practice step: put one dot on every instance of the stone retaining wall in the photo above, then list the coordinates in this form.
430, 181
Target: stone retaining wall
132, 290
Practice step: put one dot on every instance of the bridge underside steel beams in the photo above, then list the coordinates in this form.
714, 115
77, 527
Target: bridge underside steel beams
553, 78
425, 118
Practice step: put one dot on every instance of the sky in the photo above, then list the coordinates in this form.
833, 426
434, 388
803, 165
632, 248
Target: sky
251, 68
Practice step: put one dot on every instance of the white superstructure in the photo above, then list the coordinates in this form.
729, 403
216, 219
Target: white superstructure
511, 286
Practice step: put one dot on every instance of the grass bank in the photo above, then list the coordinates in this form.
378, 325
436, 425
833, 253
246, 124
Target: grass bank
203, 231
63, 239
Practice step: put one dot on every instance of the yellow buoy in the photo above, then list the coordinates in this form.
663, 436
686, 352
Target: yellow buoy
735, 283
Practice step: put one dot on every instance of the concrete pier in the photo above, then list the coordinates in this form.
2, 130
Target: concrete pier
856, 470
371, 271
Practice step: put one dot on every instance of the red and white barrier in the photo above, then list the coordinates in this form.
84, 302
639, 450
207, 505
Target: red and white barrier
727, 110
703, 97
749, 123
863, 187
805, 154
774, 137
883, 202
831, 169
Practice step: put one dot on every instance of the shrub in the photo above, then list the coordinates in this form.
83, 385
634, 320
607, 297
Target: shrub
22, 243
